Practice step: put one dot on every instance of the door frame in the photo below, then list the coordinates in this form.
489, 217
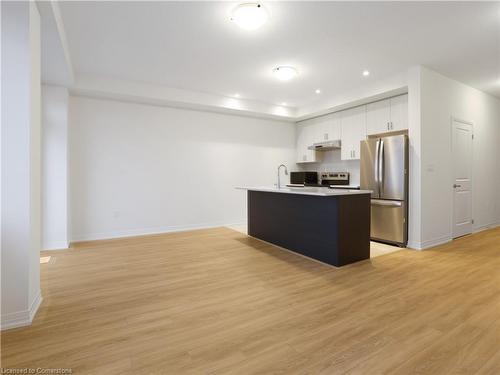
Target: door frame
452, 221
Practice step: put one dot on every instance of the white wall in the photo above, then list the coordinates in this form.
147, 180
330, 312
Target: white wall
21, 191
139, 168
441, 98
55, 167
415, 155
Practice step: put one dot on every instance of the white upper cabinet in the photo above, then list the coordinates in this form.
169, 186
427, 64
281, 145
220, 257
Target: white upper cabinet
351, 127
320, 129
353, 131
378, 117
327, 128
305, 137
387, 115
399, 112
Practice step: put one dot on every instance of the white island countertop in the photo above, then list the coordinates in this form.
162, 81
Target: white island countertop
319, 191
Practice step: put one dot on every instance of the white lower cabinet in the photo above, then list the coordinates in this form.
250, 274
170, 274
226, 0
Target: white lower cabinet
353, 131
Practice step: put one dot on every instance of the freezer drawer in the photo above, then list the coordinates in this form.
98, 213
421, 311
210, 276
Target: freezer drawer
388, 221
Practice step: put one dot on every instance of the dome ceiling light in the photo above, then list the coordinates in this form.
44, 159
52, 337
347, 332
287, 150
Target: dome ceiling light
249, 16
285, 73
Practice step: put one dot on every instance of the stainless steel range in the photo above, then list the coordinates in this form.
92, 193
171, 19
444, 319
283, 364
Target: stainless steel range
337, 180
334, 178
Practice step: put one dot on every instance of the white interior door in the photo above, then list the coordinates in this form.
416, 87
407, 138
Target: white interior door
462, 183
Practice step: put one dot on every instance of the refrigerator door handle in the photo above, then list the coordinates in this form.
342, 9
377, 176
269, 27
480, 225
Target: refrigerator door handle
377, 202
381, 168
377, 150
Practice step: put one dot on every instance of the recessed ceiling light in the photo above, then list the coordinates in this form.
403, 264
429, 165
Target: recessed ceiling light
283, 103
249, 16
285, 73
317, 91
236, 95
366, 73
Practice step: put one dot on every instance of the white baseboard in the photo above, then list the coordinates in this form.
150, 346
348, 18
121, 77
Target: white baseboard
435, 242
429, 243
439, 241
486, 227
55, 245
148, 231
22, 318
414, 245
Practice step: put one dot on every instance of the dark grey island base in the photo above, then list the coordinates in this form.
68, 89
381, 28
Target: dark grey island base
333, 229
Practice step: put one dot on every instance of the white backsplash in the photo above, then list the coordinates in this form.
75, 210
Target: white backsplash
331, 162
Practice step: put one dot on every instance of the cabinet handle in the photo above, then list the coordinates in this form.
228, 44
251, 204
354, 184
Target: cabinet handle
326, 136
392, 126
354, 153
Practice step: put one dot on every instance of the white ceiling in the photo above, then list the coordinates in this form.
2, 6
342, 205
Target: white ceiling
193, 46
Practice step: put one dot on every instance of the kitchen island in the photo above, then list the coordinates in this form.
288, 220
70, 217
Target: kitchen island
329, 225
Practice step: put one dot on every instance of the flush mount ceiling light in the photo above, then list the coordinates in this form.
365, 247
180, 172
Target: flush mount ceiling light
317, 91
285, 73
249, 16
366, 73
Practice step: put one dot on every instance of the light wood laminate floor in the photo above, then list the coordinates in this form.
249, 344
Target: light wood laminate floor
218, 302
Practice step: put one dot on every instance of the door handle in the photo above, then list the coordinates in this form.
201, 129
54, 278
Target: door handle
377, 152
376, 202
455, 185
381, 168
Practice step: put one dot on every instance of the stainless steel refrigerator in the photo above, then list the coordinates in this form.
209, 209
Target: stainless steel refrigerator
384, 170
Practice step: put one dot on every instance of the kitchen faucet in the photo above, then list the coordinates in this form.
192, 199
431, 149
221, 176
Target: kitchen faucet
286, 173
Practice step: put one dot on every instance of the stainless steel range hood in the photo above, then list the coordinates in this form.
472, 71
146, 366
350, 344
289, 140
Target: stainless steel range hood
326, 145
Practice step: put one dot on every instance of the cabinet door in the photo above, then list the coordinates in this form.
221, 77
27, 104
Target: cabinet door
331, 128
324, 128
399, 112
353, 129
317, 130
305, 136
311, 133
301, 156
378, 117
